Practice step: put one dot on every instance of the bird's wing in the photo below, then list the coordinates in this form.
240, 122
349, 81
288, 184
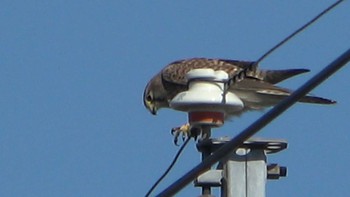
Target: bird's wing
266, 94
257, 86
176, 71
305, 99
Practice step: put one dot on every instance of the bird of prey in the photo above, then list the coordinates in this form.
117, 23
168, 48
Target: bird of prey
257, 90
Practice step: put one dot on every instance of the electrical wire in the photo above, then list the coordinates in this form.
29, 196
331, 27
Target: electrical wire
268, 117
241, 75
169, 168
264, 120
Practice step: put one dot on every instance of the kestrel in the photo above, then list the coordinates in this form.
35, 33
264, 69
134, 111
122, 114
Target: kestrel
257, 90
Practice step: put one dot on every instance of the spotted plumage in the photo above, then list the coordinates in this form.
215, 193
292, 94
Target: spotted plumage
257, 90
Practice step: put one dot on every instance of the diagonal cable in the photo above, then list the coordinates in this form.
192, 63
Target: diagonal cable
241, 75
257, 125
169, 168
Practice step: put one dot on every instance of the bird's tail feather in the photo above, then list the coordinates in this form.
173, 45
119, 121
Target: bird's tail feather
276, 76
275, 97
316, 100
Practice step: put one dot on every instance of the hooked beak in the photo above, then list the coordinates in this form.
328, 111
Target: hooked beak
153, 111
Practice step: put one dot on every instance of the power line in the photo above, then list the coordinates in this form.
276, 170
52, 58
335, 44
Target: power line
257, 125
241, 75
169, 168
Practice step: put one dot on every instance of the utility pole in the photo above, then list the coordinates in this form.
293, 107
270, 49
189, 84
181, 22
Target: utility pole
206, 133
244, 172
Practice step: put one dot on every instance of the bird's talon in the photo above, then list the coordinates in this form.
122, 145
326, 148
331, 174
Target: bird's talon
184, 131
175, 142
173, 130
176, 132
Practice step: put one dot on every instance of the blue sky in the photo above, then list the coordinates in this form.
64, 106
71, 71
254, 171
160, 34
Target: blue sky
72, 74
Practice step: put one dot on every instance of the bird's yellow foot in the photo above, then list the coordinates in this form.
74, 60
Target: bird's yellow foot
185, 131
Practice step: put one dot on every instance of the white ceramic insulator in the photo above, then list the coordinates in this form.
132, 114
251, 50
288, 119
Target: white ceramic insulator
205, 93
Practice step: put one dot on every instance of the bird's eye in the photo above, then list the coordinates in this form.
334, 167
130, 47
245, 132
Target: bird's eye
149, 98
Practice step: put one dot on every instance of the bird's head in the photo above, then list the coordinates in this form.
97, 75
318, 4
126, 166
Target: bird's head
155, 96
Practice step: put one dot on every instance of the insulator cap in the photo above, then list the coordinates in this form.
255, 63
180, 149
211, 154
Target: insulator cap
205, 100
